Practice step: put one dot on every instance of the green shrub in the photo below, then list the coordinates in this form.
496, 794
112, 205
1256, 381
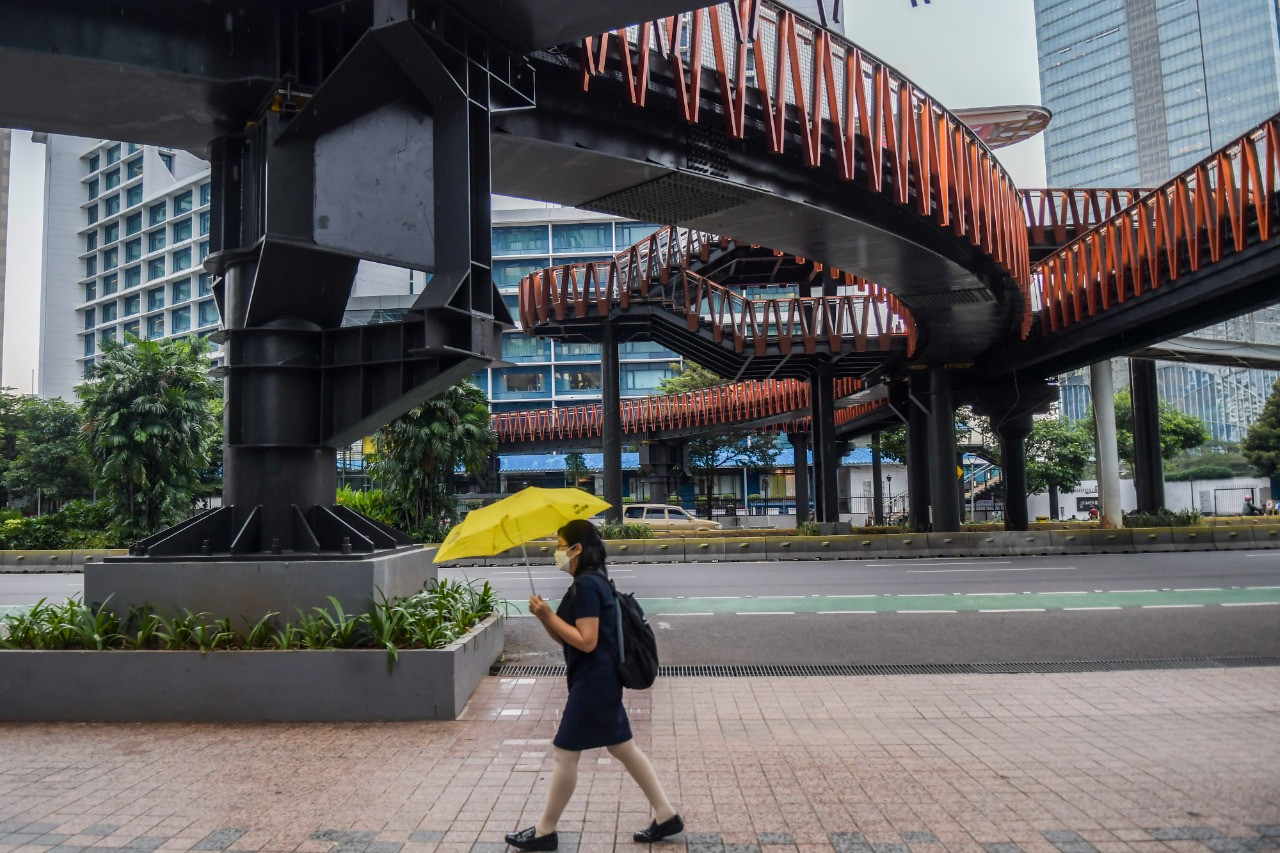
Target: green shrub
1163, 518
807, 528
78, 524
1201, 472
673, 499
375, 503
622, 530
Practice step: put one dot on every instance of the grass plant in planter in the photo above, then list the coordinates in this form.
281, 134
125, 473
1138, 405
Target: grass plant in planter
315, 662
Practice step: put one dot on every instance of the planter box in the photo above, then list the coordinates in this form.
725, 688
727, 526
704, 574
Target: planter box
247, 686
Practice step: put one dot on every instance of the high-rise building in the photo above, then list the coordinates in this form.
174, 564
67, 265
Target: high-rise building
6, 141
126, 229
1141, 90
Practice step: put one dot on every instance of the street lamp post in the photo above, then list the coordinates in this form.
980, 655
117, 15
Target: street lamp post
888, 478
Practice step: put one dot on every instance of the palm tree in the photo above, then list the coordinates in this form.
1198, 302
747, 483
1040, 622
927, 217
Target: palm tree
147, 419
419, 452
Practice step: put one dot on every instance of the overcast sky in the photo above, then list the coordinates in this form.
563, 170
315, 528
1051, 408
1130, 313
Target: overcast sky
965, 53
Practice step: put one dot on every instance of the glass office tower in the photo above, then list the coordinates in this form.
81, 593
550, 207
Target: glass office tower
1141, 90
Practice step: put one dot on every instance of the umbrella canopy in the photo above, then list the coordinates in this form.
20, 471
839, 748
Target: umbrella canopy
531, 513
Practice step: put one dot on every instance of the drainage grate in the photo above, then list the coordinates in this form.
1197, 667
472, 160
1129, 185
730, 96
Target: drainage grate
841, 669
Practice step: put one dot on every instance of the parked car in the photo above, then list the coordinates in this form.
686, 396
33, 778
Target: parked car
663, 517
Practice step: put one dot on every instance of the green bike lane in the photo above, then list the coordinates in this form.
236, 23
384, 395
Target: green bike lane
1010, 602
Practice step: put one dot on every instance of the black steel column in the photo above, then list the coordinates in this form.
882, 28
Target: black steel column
1148, 464
1013, 469
826, 461
918, 486
611, 438
800, 447
942, 453
877, 485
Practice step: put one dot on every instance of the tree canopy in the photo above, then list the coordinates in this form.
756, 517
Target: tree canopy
49, 455
1058, 451
147, 412
1178, 431
1262, 443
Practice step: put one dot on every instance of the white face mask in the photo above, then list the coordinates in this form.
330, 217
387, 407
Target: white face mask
562, 561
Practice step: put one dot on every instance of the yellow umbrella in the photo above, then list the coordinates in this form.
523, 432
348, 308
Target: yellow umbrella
530, 513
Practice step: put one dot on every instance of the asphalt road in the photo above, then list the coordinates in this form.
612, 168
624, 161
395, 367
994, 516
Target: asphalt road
1132, 606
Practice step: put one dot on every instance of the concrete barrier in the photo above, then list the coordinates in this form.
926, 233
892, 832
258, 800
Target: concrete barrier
869, 545
53, 561
959, 544
1070, 541
664, 550
1149, 539
625, 550
990, 543
1030, 543
834, 547
1190, 539
1233, 538
745, 550
704, 550
1266, 536
906, 545
1111, 541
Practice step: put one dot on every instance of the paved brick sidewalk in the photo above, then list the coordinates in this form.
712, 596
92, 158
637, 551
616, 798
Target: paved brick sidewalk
1154, 760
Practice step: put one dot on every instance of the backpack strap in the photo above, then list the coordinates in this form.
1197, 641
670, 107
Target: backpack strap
617, 611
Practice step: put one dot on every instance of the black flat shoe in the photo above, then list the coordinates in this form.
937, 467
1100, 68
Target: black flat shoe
658, 831
528, 839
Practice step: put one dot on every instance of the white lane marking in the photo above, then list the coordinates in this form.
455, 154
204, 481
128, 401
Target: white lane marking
1092, 608
1129, 590
1168, 606
988, 593
1016, 610
1247, 603
1199, 589
1262, 587
1027, 569
843, 612
705, 613
1065, 592
1264, 554
922, 611
767, 613
932, 563
719, 597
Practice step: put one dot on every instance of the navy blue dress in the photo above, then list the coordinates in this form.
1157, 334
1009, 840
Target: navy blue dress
594, 716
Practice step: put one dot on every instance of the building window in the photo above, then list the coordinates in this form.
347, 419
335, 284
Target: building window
182, 203
111, 232
108, 284
157, 213
91, 241
206, 285
88, 365
167, 160
520, 240
108, 311
204, 250
182, 319
132, 304
630, 233
113, 154
205, 190
91, 266
133, 250
182, 260
208, 313
131, 328
155, 269
89, 319
576, 379
133, 148
181, 230
582, 237
509, 273
93, 189
91, 214
88, 344
133, 195
181, 291
155, 298
91, 291
155, 240
132, 277
134, 169
106, 336
155, 327
93, 164
110, 259
111, 179
204, 222
111, 206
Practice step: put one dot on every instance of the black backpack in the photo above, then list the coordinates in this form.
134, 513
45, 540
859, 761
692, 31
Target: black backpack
637, 647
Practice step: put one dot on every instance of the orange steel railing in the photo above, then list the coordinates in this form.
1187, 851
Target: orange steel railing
739, 403
887, 134
1213, 209
1060, 215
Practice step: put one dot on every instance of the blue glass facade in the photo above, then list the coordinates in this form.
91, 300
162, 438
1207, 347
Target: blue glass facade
1141, 90
541, 373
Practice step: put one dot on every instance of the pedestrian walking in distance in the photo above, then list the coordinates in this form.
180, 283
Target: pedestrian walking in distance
586, 624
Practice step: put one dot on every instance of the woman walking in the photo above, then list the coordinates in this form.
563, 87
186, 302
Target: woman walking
586, 625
